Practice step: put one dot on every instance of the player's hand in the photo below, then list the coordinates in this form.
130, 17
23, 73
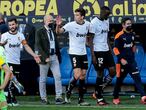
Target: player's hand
4, 43
47, 60
1, 88
58, 20
37, 58
123, 61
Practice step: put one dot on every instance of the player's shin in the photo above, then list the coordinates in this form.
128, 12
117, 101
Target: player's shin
17, 85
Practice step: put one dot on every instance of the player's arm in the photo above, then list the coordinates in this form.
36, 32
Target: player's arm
29, 50
39, 44
3, 41
109, 45
91, 35
8, 73
91, 45
59, 29
116, 50
134, 46
89, 41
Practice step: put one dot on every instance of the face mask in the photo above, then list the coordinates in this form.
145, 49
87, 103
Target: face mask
51, 25
129, 28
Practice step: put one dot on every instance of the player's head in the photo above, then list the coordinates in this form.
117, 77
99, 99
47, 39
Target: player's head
48, 20
1, 18
13, 24
104, 12
22, 15
79, 15
127, 24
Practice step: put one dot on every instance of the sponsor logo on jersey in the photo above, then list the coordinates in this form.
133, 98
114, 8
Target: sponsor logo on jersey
104, 31
14, 45
128, 45
81, 35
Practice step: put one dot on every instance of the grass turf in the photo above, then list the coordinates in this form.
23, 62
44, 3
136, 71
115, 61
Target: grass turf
33, 103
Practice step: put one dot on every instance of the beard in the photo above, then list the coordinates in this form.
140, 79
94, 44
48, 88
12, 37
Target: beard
13, 29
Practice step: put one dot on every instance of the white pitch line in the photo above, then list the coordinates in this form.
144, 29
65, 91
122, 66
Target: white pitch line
74, 106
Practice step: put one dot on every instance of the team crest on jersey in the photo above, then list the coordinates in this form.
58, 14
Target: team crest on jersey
122, 70
132, 37
19, 39
124, 39
87, 28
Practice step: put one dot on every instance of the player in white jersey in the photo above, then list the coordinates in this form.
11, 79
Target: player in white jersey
101, 54
13, 41
78, 31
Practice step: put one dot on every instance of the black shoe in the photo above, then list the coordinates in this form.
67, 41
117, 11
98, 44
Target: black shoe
67, 97
12, 102
81, 102
44, 102
59, 101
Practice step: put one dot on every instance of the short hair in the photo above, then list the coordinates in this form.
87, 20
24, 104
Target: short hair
13, 19
22, 14
81, 11
2, 17
125, 19
105, 8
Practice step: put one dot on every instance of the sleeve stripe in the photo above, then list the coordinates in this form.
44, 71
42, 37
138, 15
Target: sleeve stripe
3, 64
116, 51
119, 34
24, 42
118, 70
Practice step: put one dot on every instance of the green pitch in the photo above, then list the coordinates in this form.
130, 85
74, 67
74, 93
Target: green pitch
33, 103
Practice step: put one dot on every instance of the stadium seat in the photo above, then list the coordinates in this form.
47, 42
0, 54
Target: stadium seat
143, 71
89, 56
139, 56
65, 68
50, 81
91, 79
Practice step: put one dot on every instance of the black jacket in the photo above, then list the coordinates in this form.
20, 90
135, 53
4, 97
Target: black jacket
29, 33
3, 28
43, 44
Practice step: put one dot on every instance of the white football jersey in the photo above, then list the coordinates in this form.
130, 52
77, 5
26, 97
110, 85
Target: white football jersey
12, 47
100, 29
77, 37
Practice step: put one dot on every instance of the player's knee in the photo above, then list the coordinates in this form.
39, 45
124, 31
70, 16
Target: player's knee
82, 77
57, 77
43, 79
77, 73
100, 73
112, 71
76, 76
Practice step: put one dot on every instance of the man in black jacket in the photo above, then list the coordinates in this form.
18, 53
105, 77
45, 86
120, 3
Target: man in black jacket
3, 27
28, 77
47, 46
